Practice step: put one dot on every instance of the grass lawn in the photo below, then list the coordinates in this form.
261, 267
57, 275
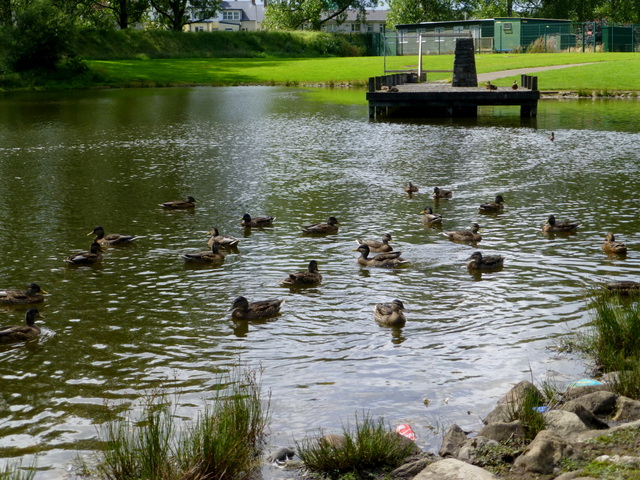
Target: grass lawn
608, 71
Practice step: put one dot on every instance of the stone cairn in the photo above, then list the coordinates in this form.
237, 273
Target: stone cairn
464, 65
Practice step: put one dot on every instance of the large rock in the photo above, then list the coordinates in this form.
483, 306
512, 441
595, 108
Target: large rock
452, 442
587, 417
627, 409
503, 432
503, 413
599, 403
544, 453
413, 466
576, 392
563, 423
468, 451
452, 469
520, 391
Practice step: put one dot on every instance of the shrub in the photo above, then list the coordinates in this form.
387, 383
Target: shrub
369, 447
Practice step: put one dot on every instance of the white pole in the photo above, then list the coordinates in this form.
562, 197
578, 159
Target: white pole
419, 57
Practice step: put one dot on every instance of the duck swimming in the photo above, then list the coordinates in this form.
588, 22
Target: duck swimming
429, 217
264, 221
243, 310
477, 261
495, 206
553, 227
225, 241
94, 255
385, 260
611, 246
410, 188
390, 314
310, 277
205, 257
21, 333
33, 294
331, 226
112, 238
441, 193
466, 236
179, 204
376, 246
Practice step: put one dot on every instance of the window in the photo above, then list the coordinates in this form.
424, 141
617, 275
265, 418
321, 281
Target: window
458, 29
231, 15
507, 28
369, 28
332, 28
403, 36
199, 29
439, 30
355, 27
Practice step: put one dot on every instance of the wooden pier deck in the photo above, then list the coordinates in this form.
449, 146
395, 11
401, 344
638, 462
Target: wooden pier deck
391, 95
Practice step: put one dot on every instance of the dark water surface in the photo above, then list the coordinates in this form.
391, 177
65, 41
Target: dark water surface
142, 321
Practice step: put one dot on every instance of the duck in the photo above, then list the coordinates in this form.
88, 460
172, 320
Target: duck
624, 287
21, 333
552, 136
390, 314
241, 309
205, 257
440, 193
376, 246
179, 204
429, 217
611, 246
224, 241
468, 236
477, 261
112, 238
410, 188
514, 85
495, 206
387, 260
331, 226
33, 294
94, 255
554, 227
264, 221
309, 277
490, 86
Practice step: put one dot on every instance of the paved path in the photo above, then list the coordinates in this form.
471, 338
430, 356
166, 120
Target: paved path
485, 77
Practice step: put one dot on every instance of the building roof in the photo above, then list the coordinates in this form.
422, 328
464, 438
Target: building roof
250, 10
371, 15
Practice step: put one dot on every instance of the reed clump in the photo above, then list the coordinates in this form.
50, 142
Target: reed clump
17, 472
223, 442
368, 447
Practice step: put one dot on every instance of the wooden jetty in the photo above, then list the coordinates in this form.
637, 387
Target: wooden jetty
400, 94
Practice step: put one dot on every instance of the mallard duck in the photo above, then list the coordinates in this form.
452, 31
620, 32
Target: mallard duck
21, 333
205, 257
249, 222
553, 226
388, 259
179, 204
611, 246
440, 193
33, 294
477, 261
310, 277
86, 258
410, 188
514, 85
552, 136
331, 226
243, 310
112, 238
490, 86
376, 246
467, 236
495, 206
624, 287
429, 217
225, 241
390, 314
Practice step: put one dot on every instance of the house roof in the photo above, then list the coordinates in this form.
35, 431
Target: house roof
372, 15
250, 10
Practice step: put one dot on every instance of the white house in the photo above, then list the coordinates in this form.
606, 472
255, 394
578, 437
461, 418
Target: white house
375, 21
232, 16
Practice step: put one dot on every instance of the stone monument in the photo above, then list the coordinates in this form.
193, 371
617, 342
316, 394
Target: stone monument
464, 64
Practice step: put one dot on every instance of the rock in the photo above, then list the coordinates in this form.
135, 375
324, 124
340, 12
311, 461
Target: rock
336, 441
544, 452
413, 466
503, 413
281, 456
626, 409
519, 391
599, 403
627, 460
576, 392
577, 475
589, 419
452, 469
468, 451
452, 442
563, 423
503, 432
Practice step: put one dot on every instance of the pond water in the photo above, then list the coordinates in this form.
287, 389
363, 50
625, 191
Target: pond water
142, 321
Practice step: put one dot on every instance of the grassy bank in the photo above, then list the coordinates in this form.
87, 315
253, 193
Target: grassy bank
611, 71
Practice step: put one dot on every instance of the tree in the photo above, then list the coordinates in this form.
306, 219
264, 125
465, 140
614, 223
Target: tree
126, 12
175, 14
294, 14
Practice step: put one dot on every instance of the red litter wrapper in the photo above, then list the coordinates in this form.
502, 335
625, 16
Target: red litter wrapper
405, 430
